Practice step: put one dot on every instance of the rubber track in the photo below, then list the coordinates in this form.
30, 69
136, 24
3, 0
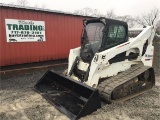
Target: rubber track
107, 86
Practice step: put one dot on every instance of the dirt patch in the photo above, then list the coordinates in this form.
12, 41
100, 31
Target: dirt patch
20, 101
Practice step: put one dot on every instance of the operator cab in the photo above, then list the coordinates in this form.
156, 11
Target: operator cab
101, 34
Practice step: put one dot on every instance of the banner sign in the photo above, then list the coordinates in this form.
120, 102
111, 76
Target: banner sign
25, 30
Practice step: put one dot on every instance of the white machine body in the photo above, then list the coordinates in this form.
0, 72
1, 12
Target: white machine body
100, 66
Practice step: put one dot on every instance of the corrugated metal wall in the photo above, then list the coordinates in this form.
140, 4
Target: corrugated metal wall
62, 33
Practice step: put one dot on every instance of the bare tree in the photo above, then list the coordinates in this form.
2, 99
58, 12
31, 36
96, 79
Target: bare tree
128, 19
84, 11
96, 13
88, 12
158, 27
22, 2
110, 14
149, 18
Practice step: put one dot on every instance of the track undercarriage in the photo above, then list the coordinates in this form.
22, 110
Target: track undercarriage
127, 84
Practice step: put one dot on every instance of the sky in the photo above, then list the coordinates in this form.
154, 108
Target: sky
120, 7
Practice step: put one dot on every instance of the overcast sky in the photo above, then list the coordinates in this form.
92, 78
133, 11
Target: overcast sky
121, 7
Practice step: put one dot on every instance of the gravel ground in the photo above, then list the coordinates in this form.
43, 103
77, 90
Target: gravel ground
20, 102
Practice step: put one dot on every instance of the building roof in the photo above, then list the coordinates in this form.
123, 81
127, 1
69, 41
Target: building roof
39, 9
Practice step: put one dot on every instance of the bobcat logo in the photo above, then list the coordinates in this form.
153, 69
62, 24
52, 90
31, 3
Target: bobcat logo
12, 40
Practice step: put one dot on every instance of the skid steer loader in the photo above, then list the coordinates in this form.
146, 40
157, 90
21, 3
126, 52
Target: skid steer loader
112, 64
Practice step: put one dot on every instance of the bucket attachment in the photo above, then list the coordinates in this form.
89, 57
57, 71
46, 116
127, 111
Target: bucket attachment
73, 98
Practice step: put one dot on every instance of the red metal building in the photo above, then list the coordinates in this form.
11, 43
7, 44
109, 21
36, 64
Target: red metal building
62, 32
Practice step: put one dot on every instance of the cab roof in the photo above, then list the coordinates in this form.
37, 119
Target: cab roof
106, 21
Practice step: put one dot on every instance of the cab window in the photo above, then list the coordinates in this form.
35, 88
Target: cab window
115, 36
